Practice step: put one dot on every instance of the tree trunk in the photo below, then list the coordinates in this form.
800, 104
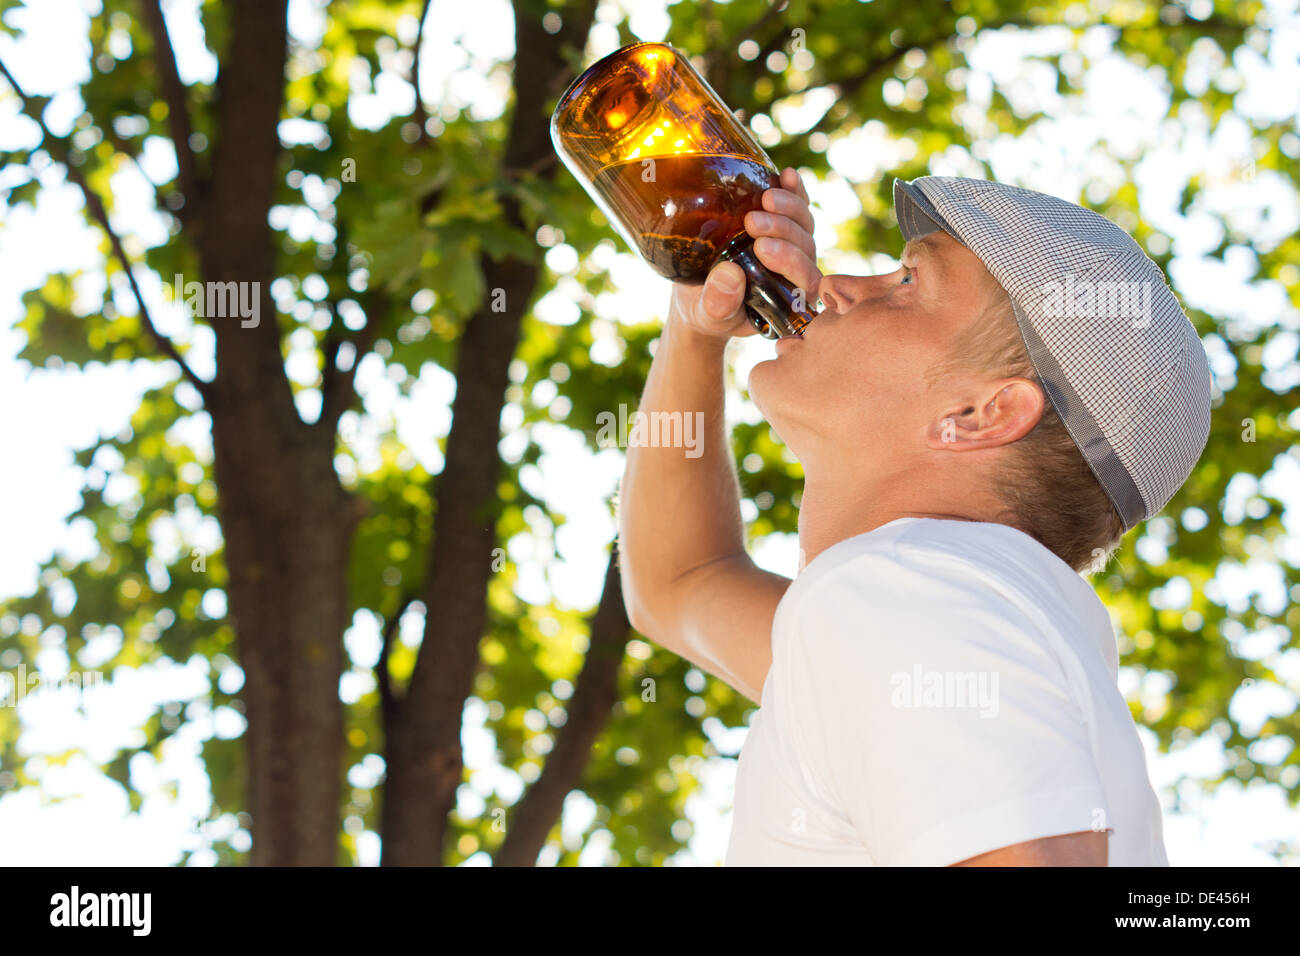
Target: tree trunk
423, 736
422, 728
287, 523
287, 545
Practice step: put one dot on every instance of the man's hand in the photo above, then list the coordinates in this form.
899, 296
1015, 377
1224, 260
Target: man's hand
784, 244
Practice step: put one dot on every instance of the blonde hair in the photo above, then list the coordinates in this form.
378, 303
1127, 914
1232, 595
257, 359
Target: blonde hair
1045, 485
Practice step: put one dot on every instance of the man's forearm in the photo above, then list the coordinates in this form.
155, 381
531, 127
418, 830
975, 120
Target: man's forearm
676, 512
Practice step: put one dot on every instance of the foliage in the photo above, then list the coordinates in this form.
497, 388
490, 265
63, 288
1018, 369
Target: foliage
424, 215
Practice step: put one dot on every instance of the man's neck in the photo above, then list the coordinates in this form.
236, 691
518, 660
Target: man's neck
831, 512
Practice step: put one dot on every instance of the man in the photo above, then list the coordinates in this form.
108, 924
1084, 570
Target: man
977, 430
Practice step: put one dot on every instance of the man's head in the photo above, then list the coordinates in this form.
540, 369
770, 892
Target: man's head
918, 384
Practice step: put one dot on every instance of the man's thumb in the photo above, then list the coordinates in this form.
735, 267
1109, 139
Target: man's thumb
724, 290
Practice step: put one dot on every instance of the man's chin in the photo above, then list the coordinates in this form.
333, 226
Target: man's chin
761, 381
768, 389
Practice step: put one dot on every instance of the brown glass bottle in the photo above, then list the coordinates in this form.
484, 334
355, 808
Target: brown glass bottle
674, 172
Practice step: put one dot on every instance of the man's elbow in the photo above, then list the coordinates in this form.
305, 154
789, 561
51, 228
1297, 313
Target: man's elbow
648, 600
637, 616
637, 604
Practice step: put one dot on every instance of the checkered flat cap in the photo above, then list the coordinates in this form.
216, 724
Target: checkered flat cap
1118, 358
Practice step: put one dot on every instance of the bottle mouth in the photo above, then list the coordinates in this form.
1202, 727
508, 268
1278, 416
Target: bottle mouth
792, 327
799, 325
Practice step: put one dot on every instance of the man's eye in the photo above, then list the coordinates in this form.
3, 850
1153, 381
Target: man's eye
909, 275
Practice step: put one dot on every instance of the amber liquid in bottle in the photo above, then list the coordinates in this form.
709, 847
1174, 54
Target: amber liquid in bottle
684, 210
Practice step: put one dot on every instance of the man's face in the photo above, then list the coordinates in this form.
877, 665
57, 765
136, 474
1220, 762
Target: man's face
856, 376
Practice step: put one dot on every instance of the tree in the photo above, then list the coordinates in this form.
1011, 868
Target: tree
426, 251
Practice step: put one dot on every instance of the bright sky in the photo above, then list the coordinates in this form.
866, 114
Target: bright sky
77, 816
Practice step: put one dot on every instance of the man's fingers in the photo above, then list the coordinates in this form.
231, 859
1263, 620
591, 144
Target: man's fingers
787, 259
785, 203
791, 181
779, 227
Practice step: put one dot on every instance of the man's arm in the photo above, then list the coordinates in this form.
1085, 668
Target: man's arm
687, 581
1086, 848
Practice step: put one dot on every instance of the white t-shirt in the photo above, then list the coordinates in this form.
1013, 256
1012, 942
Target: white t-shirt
939, 689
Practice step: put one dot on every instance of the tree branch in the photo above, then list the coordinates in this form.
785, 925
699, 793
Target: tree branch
717, 62
849, 87
337, 387
178, 114
387, 698
587, 712
574, 30
59, 149
777, 7
418, 115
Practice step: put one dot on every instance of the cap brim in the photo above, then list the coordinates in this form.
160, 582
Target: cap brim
916, 215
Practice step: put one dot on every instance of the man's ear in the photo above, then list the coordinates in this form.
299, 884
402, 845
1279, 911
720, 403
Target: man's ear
1004, 411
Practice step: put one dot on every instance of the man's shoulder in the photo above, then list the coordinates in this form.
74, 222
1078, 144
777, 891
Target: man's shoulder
935, 583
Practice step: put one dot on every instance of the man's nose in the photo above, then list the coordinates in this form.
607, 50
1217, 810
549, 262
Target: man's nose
837, 293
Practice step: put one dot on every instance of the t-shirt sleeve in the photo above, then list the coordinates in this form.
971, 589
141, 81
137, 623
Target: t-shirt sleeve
934, 713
